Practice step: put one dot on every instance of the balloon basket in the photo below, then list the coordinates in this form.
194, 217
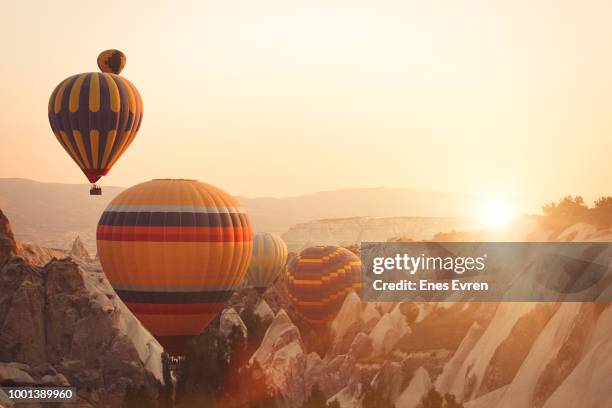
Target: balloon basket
95, 190
171, 370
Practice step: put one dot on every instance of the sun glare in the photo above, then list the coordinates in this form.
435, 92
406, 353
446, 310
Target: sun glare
496, 214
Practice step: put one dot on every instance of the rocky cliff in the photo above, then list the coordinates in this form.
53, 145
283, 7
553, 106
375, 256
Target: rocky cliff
78, 250
481, 354
60, 324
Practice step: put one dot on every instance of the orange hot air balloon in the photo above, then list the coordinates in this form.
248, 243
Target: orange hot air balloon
96, 115
318, 280
174, 251
268, 261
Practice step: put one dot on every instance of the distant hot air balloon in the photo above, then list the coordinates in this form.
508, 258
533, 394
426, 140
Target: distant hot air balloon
318, 280
174, 251
268, 261
96, 115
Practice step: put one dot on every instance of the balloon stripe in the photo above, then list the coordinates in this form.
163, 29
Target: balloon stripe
174, 208
174, 308
94, 93
122, 122
110, 141
175, 325
172, 288
131, 98
165, 234
71, 150
94, 139
81, 147
177, 298
113, 93
60, 94
75, 93
171, 219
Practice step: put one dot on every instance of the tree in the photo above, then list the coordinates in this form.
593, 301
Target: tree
256, 328
373, 398
433, 399
604, 202
136, 396
316, 399
567, 206
206, 366
451, 402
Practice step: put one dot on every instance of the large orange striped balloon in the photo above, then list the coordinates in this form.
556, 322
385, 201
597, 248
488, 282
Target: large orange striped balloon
95, 116
174, 251
318, 280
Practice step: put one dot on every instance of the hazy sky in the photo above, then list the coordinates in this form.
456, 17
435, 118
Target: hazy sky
277, 97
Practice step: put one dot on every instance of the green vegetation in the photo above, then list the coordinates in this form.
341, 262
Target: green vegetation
373, 398
574, 209
433, 399
316, 399
567, 206
216, 370
136, 396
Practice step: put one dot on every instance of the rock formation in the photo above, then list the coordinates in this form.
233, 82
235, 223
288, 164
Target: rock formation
8, 246
78, 250
62, 325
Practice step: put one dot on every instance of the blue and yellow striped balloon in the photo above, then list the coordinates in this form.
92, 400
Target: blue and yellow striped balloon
96, 115
268, 261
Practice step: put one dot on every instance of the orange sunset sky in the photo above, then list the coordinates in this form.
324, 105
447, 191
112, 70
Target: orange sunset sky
280, 98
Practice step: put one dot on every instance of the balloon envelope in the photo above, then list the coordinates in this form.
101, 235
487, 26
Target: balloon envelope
174, 251
268, 261
95, 116
318, 280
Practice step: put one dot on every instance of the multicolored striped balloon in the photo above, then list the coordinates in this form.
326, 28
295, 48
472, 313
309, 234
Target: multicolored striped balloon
268, 261
318, 280
96, 116
174, 251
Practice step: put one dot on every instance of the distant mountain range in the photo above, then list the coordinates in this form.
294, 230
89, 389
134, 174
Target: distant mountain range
53, 214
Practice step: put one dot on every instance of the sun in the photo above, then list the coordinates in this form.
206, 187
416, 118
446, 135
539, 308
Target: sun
496, 214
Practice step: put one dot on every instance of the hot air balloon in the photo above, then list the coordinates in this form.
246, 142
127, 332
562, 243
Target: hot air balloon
96, 115
268, 261
174, 251
318, 280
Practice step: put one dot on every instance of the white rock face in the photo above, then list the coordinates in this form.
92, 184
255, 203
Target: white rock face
149, 350
287, 368
388, 381
370, 315
11, 373
282, 359
349, 314
522, 389
590, 382
418, 387
466, 382
348, 397
264, 311
280, 333
388, 331
488, 400
228, 320
5, 402
447, 378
